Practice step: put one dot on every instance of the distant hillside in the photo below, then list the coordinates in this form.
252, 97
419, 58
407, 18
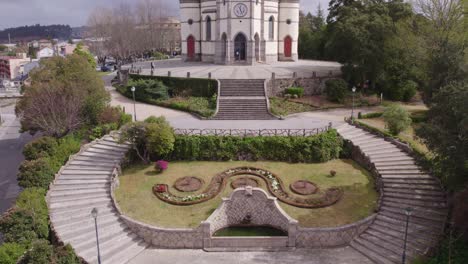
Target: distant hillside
28, 33
79, 32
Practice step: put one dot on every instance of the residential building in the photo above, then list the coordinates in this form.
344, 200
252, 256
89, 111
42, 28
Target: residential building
45, 53
12, 67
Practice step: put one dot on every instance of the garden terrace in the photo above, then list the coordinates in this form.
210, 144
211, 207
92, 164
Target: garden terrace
136, 200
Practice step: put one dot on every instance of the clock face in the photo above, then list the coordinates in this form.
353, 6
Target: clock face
240, 10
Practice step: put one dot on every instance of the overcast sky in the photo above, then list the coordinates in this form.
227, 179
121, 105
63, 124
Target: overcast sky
74, 12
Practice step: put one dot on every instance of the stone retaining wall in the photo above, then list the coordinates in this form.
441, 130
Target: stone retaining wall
331, 237
312, 86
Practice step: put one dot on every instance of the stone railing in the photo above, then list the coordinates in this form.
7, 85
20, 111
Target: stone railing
253, 132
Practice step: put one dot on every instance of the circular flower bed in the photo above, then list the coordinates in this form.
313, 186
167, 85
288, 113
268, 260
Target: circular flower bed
243, 182
188, 184
274, 184
304, 187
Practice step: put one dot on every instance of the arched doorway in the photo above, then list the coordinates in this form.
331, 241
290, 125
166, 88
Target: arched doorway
240, 47
257, 48
190, 47
288, 47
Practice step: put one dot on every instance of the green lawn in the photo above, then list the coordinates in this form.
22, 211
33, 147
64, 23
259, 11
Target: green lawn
136, 199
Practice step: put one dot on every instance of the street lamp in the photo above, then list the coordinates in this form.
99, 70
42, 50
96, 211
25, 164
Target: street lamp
134, 102
408, 212
94, 214
352, 110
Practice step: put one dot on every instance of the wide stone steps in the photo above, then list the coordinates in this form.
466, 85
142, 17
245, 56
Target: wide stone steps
404, 185
84, 184
243, 100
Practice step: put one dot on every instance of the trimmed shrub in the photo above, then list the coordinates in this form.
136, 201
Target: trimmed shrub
41, 253
319, 148
195, 87
39, 148
17, 226
371, 115
147, 89
33, 200
10, 253
336, 90
397, 119
298, 91
35, 173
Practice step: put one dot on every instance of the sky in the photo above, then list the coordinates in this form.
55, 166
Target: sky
75, 12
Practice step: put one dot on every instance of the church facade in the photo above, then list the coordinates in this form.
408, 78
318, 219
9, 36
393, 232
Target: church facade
239, 31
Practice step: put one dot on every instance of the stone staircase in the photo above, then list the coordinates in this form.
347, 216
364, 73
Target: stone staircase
404, 185
84, 183
243, 100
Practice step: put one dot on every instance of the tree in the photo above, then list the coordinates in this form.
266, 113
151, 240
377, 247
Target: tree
10, 253
358, 32
85, 54
65, 95
397, 119
152, 138
446, 133
446, 40
336, 90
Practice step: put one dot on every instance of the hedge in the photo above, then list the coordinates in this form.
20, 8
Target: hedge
297, 91
318, 148
178, 86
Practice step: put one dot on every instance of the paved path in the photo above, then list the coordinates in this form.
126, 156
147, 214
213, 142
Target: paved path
345, 255
178, 68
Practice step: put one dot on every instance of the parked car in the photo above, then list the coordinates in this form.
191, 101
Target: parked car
106, 68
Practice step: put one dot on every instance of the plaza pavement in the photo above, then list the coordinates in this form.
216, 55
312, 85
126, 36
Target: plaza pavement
344, 255
178, 68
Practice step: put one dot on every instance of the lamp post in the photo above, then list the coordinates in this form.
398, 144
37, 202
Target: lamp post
408, 212
134, 103
352, 110
94, 213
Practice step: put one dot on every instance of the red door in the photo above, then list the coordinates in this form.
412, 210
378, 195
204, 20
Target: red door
287, 47
191, 47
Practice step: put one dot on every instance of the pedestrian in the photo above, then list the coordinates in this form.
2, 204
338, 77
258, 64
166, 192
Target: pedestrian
152, 66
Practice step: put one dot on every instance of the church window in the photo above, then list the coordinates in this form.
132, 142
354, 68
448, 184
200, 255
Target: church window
288, 21
271, 28
208, 28
190, 21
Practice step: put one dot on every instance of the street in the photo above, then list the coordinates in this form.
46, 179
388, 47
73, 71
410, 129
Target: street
11, 147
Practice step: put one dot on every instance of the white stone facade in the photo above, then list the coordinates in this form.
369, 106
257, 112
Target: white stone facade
239, 31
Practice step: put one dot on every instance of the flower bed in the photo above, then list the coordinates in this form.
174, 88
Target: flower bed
274, 183
304, 188
188, 184
243, 182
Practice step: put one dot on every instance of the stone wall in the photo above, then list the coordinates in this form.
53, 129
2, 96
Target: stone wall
331, 237
312, 86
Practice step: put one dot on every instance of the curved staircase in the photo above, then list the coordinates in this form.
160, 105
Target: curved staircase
404, 185
82, 184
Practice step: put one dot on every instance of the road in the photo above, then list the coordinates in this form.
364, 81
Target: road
11, 147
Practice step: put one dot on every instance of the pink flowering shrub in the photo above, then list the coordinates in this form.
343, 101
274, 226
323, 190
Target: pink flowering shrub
161, 165
161, 188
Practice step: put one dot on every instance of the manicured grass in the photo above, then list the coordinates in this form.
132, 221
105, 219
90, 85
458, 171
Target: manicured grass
136, 199
199, 105
284, 107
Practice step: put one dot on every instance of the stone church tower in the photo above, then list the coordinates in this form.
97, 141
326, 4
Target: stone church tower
239, 31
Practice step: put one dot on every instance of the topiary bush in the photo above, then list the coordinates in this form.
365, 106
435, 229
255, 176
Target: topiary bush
11, 252
39, 148
397, 119
295, 91
336, 90
36, 173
